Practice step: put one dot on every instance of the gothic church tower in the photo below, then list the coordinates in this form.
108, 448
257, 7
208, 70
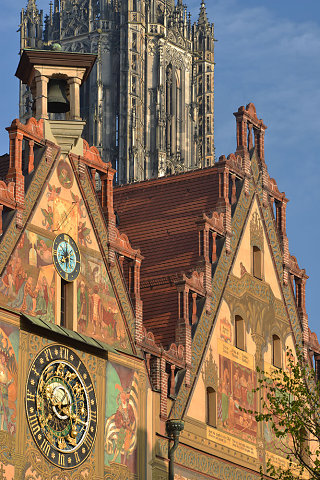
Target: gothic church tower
149, 101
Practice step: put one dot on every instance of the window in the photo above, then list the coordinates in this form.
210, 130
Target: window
211, 407
276, 351
257, 262
239, 332
66, 304
63, 303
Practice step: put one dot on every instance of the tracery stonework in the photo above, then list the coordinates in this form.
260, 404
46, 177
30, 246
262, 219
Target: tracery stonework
125, 123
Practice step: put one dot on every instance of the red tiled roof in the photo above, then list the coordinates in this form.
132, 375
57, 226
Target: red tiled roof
159, 216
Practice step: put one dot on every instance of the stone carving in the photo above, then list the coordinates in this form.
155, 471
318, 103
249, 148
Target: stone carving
209, 372
162, 37
256, 231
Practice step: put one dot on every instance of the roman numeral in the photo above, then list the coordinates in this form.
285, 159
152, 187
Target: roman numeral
76, 456
88, 441
33, 369
45, 446
34, 425
61, 460
48, 354
30, 396
94, 416
64, 353
90, 388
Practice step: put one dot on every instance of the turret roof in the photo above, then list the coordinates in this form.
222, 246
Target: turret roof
203, 19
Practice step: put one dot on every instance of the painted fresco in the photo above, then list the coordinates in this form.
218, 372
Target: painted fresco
121, 417
9, 348
97, 307
62, 210
235, 392
28, 281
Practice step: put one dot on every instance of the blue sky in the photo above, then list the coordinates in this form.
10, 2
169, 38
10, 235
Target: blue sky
268, 53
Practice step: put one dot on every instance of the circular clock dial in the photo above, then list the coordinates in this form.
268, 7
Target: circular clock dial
66, 257
61, 406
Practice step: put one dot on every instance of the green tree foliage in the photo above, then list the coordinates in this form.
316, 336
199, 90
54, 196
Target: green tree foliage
290, 404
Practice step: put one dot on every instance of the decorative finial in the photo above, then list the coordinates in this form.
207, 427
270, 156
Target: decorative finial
203, 19
31, 5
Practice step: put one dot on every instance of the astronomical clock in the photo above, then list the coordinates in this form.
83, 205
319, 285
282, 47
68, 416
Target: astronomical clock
61, 406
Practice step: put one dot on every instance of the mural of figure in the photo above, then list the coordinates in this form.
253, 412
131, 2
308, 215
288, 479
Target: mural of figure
65, 174
44, 296
225, 387
121, 422
9, 345
236, 386
48, 217
18, 274
244, 389
124, 420
95, 310
26, 297
84, 234
44, 253
250, 393
83, 307
6, 282
5, 382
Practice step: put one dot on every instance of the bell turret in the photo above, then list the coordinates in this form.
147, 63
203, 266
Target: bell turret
54, 78
57, 96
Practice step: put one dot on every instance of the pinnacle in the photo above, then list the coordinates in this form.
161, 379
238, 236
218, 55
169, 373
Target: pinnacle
203, 19
31, 5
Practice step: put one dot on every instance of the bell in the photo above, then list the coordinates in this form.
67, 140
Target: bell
57, 97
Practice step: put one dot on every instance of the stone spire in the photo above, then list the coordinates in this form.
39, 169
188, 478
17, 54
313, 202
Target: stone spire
203, 19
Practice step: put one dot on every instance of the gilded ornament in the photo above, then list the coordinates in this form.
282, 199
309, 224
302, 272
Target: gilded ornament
60, 406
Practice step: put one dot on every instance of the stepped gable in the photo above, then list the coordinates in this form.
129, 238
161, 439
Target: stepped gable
159, 217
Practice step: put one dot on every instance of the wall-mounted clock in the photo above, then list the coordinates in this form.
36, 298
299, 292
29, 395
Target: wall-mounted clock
66, 257
61, 406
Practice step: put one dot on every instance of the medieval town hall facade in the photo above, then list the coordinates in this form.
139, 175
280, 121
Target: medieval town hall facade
142, 281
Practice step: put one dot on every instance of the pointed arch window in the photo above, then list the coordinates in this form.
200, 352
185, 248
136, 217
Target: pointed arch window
276, 351
211, 407
239, 332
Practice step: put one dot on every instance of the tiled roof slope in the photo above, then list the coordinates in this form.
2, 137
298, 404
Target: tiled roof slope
159, 216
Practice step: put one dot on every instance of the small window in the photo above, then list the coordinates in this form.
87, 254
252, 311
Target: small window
276, 351
239, 333
211, 407
257, 262
66, 304
63, 303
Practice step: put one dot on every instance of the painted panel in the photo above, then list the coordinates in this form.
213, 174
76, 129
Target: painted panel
121, 419
62, 210
9, 349
28, 281
237, 380
97, 308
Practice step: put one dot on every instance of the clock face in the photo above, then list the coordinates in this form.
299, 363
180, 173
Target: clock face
61, 406
66, 257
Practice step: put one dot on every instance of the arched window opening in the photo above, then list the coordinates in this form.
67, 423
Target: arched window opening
276, 351
257, 262
239, 332
211, 407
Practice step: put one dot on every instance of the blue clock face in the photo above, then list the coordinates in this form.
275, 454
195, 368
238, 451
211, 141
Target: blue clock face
66, 257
